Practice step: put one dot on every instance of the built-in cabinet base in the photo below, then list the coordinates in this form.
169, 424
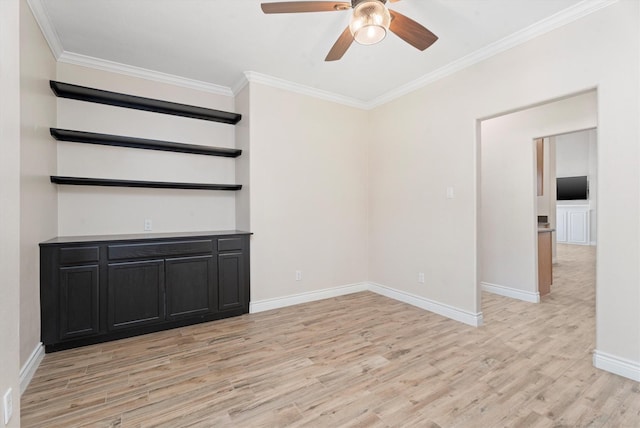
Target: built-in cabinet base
545, 266
572, 223
96, 289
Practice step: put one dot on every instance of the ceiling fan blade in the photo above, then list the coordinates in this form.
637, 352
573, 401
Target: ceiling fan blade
410, 31
340, 46
304, 6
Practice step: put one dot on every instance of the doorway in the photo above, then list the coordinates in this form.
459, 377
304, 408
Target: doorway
508, 205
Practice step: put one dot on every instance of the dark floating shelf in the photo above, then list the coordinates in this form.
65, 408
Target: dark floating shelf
82, 93
83, 181
140, 143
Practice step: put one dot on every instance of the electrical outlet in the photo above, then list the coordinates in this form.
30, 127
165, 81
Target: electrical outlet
421, 277
7, 401
148, 225
298, 275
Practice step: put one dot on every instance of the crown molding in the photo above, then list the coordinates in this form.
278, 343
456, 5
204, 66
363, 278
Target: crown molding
274, 82
44, 22
130, 70
240, 84
253, 77
551, 23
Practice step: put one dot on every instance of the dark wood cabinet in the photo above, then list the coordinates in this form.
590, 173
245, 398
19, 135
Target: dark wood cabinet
230, 280
135, 293
190, 286
99, 288
78, 301
95, 289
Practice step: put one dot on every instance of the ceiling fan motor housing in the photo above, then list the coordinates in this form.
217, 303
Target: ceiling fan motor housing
354, 3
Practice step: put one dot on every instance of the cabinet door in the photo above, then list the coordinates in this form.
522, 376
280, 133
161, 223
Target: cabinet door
231, 281
136, 293
78, 301
190, 286
578, 226
561, 225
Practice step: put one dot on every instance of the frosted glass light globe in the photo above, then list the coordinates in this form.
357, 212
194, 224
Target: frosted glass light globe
370, 22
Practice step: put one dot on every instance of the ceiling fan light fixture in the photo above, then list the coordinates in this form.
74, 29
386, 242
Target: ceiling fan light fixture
370, 22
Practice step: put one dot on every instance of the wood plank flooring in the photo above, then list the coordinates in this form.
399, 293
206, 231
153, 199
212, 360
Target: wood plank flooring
360, 360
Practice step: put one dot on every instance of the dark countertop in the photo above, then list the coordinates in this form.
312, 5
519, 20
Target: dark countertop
140, 236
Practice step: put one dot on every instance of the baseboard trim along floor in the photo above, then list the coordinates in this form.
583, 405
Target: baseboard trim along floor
620, 366
514, 293
469, 318
28, 370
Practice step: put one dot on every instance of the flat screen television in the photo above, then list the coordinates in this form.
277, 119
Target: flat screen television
572, 188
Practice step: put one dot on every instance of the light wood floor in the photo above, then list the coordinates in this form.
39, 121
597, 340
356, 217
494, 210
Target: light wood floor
358, 360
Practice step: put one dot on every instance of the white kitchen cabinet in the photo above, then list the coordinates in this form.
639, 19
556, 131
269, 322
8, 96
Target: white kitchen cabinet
572, 224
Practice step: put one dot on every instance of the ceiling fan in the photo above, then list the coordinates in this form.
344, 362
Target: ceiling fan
369, 23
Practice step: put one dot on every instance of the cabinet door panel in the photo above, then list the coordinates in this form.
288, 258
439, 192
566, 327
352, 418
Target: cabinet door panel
136, 293
561, 225
190, 286
572, 224
78, 301
578, 230
230, 281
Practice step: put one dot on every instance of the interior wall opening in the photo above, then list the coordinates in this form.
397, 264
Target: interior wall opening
511, 208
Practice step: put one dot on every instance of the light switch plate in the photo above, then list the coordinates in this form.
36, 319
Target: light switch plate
450, 194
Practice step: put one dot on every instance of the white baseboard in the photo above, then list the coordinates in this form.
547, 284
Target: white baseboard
616, 365
312, 296
473, 319
592, 243
469, 318
29, 369
514, 293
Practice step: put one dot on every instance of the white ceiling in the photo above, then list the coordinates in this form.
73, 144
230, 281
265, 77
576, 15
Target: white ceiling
216, 41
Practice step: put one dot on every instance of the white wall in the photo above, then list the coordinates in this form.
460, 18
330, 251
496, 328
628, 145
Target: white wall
427, 140
593, 183
572, 154
38, 197
243, 165
10, 202
508, 214
308, 193
103, 210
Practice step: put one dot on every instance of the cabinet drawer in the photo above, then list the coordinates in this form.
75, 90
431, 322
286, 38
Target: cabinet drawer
133, 251
78, 255
229, 244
